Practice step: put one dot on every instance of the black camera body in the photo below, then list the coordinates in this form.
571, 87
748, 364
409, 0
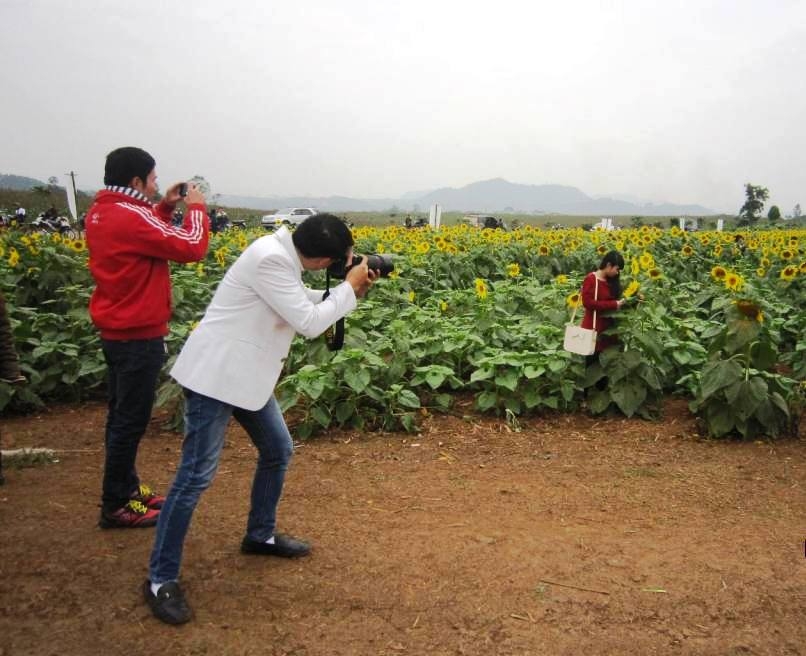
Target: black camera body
381, 263
183, 189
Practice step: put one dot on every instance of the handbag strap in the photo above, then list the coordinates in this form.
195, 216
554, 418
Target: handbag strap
595, 298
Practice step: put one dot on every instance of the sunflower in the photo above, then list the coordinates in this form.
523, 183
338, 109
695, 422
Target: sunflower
718, 250
802, 266
787, 254
443, 306
423, 247
481, 288
398, 247
13, 257
631, 289
646, 260
560, 280
635, 266
788, 273
761, 272
573, 300
655, 273
734, 281
765, 262
687, 250
750, 309
412, 296
718, 273
602, 249
78, 245
543, 250
513, 270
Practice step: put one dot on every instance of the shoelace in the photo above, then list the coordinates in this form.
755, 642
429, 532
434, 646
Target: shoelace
146, 491
137, 506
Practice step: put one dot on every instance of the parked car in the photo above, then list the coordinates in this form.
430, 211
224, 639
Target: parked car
290, 216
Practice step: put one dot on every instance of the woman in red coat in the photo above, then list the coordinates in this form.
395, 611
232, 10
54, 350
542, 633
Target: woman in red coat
601, 291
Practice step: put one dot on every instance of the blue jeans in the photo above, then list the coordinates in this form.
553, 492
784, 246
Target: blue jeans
134, 367
205, 426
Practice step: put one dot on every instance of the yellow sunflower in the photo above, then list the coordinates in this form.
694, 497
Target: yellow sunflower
78, 245
481, 288
412, 296
687, 251
631, 289
734, 281
788, 273
513, 270
573, 300
543, 250
761, 272
719, 273
560, 280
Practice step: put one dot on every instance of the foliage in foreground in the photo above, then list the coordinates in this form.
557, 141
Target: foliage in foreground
479, 312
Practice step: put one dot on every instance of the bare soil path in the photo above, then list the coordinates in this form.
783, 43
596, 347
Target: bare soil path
571, 535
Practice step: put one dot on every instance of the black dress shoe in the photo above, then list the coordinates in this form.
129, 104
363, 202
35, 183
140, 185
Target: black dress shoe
284, 546
168, 604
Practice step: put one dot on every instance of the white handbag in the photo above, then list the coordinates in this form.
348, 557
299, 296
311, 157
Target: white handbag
581, 340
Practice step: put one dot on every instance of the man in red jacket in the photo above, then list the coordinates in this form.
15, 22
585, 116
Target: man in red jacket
130, 242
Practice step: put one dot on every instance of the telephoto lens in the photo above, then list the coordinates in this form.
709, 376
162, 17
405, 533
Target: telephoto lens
381, 263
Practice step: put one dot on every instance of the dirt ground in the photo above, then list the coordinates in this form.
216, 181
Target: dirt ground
571, 535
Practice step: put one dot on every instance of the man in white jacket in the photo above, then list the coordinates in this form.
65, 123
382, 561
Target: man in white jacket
229, 366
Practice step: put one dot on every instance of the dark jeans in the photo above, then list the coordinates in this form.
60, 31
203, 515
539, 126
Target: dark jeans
206, 422
134, 366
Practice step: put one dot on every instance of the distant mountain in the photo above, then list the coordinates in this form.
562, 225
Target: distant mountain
19, 182
329, 203
496, 195
493, 196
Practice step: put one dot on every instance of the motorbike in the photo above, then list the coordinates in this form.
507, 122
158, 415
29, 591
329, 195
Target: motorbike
54, 224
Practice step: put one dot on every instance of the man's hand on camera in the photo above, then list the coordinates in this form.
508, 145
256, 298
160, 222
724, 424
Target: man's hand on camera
361, 278
193, 196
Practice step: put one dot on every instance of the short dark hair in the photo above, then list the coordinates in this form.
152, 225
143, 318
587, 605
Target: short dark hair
323, 235
125, 164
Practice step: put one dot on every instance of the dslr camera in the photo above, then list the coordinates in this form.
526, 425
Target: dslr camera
381, 263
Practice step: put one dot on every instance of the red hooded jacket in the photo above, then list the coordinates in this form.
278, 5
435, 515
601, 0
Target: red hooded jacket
130, 242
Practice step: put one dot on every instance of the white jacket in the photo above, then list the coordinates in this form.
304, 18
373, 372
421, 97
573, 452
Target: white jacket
236, 353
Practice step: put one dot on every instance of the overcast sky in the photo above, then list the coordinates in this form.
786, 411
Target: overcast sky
682, 101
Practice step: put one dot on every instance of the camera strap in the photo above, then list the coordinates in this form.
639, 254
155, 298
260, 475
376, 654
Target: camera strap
334, 335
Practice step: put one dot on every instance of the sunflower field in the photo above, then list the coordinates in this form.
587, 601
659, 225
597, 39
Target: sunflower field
478, 314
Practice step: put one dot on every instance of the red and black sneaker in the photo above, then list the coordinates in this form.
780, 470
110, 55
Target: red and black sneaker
133, 515
148, 497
